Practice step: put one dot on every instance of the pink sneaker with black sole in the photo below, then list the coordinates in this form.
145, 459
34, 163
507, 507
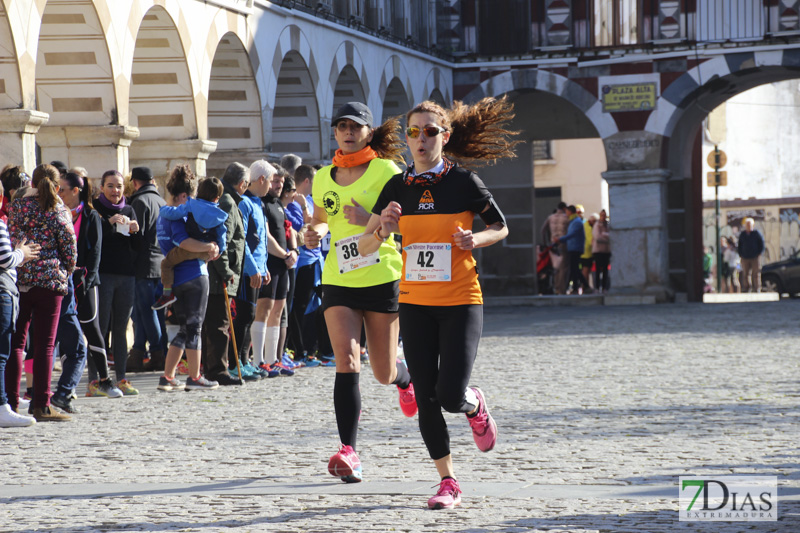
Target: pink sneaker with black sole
484, 429
448, 495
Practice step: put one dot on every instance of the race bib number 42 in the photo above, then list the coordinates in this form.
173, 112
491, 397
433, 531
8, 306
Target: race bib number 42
428, 261
348, 257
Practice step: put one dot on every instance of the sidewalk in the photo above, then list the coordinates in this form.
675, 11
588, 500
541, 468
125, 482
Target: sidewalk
600, 409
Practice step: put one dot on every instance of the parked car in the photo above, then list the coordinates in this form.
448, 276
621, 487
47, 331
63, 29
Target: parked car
782, 277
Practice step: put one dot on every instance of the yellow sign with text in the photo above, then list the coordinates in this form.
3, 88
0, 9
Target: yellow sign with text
629, 97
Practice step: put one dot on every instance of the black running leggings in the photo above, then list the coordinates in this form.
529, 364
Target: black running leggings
440, 345
90, 324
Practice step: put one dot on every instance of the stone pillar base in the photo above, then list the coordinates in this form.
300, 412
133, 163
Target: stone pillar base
163, 155
95, 148
220, 159
638, 207
18, 128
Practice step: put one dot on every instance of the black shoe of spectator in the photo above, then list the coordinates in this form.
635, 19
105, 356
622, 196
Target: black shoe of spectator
225, 379
136, 359
64, 403
156, 361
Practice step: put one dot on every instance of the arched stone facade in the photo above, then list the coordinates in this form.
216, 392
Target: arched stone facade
128, 39
655, 187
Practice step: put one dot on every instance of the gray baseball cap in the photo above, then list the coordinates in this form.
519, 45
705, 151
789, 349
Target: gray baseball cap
355, 111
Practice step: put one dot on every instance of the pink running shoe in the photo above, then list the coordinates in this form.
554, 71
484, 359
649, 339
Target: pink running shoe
484, 430
345, 464
408, 400
448, 495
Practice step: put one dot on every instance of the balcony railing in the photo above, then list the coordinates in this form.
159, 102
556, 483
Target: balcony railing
718, 20
517, 27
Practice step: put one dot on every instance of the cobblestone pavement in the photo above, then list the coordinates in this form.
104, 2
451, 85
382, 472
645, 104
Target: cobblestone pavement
599, 410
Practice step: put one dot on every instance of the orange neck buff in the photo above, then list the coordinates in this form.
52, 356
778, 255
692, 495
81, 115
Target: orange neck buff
365, 155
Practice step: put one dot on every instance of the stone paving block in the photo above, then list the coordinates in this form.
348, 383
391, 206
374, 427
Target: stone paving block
600, 409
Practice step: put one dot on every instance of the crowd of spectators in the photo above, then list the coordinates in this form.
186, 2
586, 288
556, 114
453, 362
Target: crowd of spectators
576, 255
204, 271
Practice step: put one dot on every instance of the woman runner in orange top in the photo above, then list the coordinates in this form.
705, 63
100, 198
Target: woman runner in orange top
433, 204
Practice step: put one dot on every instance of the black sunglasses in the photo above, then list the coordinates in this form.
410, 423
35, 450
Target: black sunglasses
429, 131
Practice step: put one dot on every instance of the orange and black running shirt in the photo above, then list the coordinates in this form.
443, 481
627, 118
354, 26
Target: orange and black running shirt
435, 271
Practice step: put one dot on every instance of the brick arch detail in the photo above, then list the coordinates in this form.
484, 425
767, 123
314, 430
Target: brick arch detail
543, 80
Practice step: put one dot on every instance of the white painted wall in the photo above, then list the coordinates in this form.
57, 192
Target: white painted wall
576, 168
762, 127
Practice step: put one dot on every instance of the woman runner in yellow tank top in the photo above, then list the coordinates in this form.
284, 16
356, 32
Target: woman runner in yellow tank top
358, 290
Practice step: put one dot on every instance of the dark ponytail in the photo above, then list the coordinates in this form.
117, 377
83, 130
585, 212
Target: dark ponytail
387, 142
76, 181
45, 180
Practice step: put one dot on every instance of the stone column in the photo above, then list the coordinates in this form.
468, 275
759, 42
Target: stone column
163, 155
638, 211
18, 129
95, 148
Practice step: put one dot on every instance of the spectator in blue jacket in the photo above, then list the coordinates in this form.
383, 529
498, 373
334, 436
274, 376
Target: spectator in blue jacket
255, 265
751, 246
575, 240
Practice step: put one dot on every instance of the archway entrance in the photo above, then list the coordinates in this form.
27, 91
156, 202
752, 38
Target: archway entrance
561, 159
395, 101
295, 120
686, 228
234, 108
75, 87
348, 89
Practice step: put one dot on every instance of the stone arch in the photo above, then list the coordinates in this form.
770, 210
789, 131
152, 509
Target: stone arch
435, 85
347, 55
687, 100
547, 107
76, 86
291, 39
395, 100
295, 121
191, 43
162, 95
349, 88
548, 82
437, 96
11, 95
234, 106
677, 121
74, 78
394, 71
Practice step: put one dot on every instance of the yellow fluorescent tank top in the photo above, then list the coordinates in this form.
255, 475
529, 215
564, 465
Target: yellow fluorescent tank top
343, 266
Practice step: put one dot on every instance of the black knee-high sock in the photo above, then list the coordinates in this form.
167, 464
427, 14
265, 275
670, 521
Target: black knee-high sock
347, 404
403, 377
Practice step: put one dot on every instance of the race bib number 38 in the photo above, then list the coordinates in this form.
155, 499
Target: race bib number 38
348, 257
428, 261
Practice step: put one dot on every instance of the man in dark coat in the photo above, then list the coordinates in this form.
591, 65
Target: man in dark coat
225, 272
148, 324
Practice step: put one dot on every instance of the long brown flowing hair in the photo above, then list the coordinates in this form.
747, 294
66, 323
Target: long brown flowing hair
387, 142
478, 133
45, 180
